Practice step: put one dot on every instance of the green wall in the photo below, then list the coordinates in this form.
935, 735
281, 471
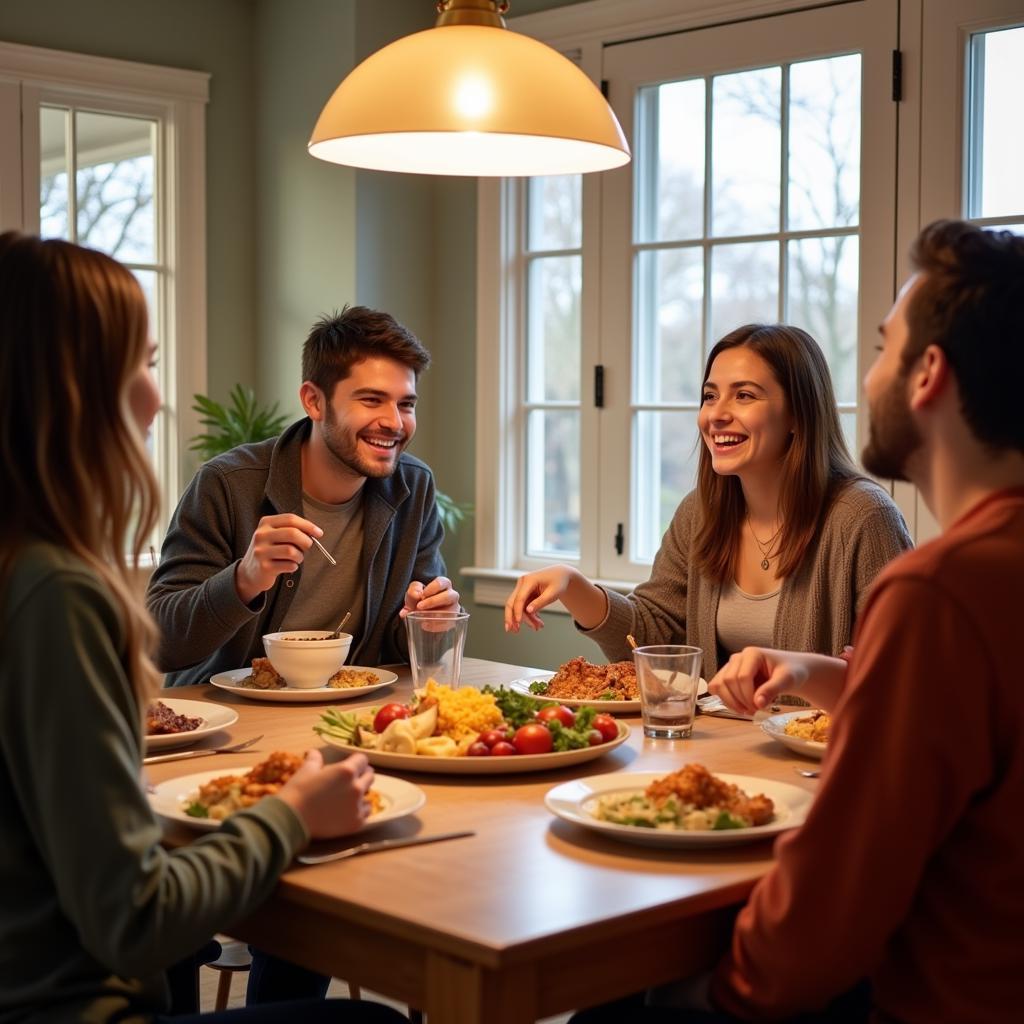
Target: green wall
304, 208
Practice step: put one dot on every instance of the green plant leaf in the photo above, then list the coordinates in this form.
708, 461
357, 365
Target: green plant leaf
451, 512
242, 421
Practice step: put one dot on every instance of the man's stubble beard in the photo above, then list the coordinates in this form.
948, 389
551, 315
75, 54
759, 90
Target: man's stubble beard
343, 444
892, 435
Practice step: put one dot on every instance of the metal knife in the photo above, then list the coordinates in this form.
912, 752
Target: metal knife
379, 844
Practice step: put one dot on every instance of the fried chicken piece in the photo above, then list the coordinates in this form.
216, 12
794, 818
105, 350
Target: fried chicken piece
264, 676
694, 784
278, 768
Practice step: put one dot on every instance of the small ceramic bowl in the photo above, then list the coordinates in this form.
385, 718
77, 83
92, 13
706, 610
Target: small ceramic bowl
307, 658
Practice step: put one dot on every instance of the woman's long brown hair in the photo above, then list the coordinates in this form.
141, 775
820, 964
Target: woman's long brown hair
814, 468
75, 472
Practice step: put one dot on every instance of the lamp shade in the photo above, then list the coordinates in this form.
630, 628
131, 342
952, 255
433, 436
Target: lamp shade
469, 100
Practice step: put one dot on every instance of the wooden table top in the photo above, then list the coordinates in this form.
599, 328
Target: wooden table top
536, 913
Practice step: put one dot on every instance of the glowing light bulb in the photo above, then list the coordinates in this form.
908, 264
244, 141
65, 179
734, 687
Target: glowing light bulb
474, 97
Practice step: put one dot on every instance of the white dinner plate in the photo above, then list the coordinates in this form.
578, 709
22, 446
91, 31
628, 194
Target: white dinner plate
776, 728
574, 801
230, 681
214, 717
510, 764
619, 707
169, 799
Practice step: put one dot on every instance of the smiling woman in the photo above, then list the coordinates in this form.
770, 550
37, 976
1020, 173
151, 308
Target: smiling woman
781, 539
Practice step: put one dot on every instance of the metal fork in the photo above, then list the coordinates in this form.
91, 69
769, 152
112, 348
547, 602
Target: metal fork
185, 754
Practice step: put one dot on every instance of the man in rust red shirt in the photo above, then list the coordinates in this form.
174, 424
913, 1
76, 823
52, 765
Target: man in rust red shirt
909, 871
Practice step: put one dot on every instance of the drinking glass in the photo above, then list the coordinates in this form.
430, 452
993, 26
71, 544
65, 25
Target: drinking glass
436, 640
668, 675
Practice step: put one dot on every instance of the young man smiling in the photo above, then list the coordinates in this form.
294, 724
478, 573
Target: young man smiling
239, 560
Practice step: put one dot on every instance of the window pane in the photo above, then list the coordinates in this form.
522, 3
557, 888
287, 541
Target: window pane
665, 471
744, 285
823, 301
115, 185
995, 185
824, 143
996, 156
746, 121
553, 482
148, 280
670, 286
553, 329
555, 219
848, 424
670, 161
53, 173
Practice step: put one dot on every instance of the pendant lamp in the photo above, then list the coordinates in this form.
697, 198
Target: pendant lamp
469, 97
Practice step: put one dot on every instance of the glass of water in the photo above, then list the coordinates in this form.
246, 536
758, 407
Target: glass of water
668, 676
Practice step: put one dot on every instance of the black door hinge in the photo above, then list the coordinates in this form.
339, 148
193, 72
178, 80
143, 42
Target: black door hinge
897, 76
599, 386
620, 540
604, 87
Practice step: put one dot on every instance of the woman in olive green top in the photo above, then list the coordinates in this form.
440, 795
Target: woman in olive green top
93, 911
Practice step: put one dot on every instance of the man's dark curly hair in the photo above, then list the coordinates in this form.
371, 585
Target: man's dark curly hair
970, 302
336, 343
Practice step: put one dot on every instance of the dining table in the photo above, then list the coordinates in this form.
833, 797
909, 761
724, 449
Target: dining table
530, 916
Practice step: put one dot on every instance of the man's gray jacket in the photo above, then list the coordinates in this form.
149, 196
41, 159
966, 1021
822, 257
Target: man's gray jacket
205, 627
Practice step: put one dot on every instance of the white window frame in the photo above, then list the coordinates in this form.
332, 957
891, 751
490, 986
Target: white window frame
176, 100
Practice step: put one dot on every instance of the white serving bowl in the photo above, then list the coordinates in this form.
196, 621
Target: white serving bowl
307, 658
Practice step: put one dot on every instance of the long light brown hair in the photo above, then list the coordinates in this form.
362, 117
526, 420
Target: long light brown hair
813, 469
75, 472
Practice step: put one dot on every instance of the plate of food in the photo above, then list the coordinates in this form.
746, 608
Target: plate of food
470, 731
804, 732
202, 800
581, 684
688, 808
176, 723
261, 682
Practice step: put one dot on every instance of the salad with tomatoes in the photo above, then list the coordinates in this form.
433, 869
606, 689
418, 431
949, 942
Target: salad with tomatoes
491, 722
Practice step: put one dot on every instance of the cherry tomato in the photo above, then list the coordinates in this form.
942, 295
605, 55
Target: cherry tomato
557, 713
503, 749
594, 738
493, 736
388, 714
606, 726
478, 749
533, 738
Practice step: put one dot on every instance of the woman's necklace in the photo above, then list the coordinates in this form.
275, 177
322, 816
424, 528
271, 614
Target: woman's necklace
766, 549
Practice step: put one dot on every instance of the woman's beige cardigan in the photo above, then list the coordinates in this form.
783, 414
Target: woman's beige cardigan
862, 531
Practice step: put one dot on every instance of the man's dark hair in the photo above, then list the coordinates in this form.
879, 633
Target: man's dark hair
336, 343
970, 302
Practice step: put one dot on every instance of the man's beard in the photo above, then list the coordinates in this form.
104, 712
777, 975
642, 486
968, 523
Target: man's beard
892, 434
343, 444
